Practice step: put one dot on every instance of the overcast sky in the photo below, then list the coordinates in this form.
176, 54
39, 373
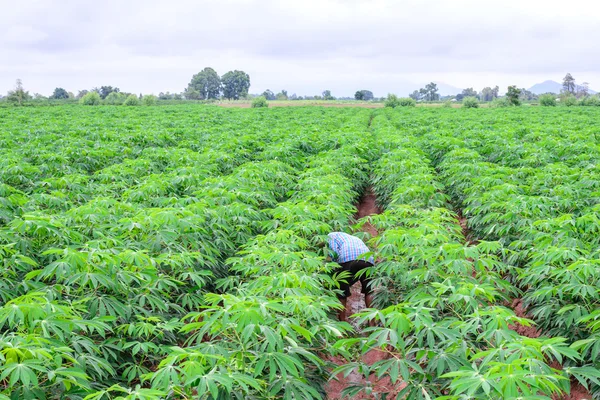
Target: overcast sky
304, 46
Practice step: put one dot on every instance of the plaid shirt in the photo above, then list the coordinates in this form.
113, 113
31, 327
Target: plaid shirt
346, 247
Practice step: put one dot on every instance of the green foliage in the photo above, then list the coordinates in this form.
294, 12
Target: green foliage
259, 102
392, 101
447, 104
115, 98
149, 100
90, 99
548, 100
590, 101
235, 84
569, 101
513, 96
500, 103
470, 102
60, 93
131, 100
205, 85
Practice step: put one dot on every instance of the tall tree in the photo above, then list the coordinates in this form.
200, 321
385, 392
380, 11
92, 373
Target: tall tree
416, 95
269, 95
60, 93
359, 95
235, 84
513, 95
327, 95
486, 94
206, 83
283, 95
18, 95
431, 92
104, 91
495, 92
569, 83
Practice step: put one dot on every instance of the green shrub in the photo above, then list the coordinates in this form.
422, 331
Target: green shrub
447, 104
392, 101
470, 102
500, 103
91, 99
115, 98
149, 100
547, 100
591, 101
132, 100
260, 102
407, 102
569, 101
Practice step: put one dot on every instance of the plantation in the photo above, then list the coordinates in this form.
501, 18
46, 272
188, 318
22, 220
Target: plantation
176, 251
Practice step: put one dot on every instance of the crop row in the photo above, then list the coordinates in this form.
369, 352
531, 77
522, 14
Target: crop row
94, 289
441, 319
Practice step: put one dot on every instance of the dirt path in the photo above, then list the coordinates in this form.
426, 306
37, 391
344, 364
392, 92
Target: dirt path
355, 303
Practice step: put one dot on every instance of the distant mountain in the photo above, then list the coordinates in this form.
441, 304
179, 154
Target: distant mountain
549, 87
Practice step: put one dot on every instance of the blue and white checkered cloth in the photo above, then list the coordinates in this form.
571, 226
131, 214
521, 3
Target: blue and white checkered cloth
347, 247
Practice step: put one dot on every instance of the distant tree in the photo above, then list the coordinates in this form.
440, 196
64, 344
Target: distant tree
132, 100
569, 83
259, 102
207, 83
416, 95
81, 93
392, 101
178, 96
583, 90
487, 94
192, 94
496, 92
104, 91
282, 95
115, 99
430, 92
512, 95
470, 102
548, 100
469, 92
365, 95
526, 95
269, 95
327, 95
18, 95
90, 99
149, 100
235, 84
39, 96
60, 93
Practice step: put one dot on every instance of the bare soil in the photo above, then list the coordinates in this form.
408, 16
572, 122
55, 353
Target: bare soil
578, 392
355, 303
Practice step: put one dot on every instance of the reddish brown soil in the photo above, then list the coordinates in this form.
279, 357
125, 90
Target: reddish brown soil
520, 311
356, 303
578, 392
366, 207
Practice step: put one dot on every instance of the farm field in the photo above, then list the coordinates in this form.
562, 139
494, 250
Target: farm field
176, 252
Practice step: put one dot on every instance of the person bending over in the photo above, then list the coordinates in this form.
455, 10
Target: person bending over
349, 252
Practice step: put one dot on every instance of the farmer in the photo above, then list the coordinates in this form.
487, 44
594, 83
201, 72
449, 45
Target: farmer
349, 251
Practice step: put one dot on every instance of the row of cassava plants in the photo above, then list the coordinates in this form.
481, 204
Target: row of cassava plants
537, 192
94, 287
441, 319
265, 336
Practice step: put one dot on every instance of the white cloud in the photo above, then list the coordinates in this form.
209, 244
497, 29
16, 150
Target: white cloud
302, 46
